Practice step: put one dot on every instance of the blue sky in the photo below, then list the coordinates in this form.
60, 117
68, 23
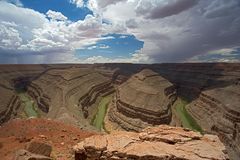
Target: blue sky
68, 9
120, 46
134, 31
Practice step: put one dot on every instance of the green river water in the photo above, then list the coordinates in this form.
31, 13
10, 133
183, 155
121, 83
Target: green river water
187, 120
98, 120
30, 108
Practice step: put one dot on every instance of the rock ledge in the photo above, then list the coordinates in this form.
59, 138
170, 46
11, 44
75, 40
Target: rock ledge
163, 142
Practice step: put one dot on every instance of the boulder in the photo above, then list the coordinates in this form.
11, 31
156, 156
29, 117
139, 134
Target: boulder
26, 155
40, 148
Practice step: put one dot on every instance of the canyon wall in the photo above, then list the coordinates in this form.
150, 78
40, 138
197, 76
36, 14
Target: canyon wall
212, 90
67, 94
214, 94
143, 100
9, 105
218, 111
62, 92
192, 78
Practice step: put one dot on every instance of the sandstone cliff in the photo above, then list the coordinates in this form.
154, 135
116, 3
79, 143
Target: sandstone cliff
67, 94
217, 111
144, 100
159, 143
9, 105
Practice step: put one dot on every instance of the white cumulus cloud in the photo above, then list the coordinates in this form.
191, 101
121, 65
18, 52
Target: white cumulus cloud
56, 15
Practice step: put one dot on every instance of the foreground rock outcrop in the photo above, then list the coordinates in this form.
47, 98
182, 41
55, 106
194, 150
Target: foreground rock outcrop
26, 155
157, 143
35, 150
144, 100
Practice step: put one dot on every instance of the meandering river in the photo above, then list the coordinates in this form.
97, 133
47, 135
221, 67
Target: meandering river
30, 108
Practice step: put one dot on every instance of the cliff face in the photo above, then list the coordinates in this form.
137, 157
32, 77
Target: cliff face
159, 143
213, 90
66, 94
144, 100
9, 105
63, 92
11, 76
192, 78
217, 111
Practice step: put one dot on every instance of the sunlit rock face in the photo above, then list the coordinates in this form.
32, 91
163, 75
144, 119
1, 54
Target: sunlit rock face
144, 100
158, 143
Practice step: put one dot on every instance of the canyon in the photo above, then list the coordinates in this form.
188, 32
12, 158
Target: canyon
141, 96
143, 100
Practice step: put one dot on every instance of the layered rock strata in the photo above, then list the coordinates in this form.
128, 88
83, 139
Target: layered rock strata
192, 78
217, 111
9, 105
159, 143
66, 94
145, 99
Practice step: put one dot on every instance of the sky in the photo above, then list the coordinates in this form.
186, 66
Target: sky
119, 31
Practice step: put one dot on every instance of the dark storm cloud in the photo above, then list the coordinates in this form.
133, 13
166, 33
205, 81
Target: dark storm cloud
233, 55
221, 8
172, 7
201, 33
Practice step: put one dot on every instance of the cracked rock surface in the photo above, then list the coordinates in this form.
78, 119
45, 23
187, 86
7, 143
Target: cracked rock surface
163, 142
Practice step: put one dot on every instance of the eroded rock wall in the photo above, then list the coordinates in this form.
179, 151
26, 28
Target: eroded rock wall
9, 105
217, 111
144, 100
66, 94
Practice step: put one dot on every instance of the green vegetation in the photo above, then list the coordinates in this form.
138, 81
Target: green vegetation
98, 120
187, 120
30, 109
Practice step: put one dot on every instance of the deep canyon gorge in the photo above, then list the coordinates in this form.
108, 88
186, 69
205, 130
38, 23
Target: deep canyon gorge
141, 99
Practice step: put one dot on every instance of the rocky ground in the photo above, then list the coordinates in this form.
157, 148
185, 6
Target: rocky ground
159, 143
43, 139
17, 134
